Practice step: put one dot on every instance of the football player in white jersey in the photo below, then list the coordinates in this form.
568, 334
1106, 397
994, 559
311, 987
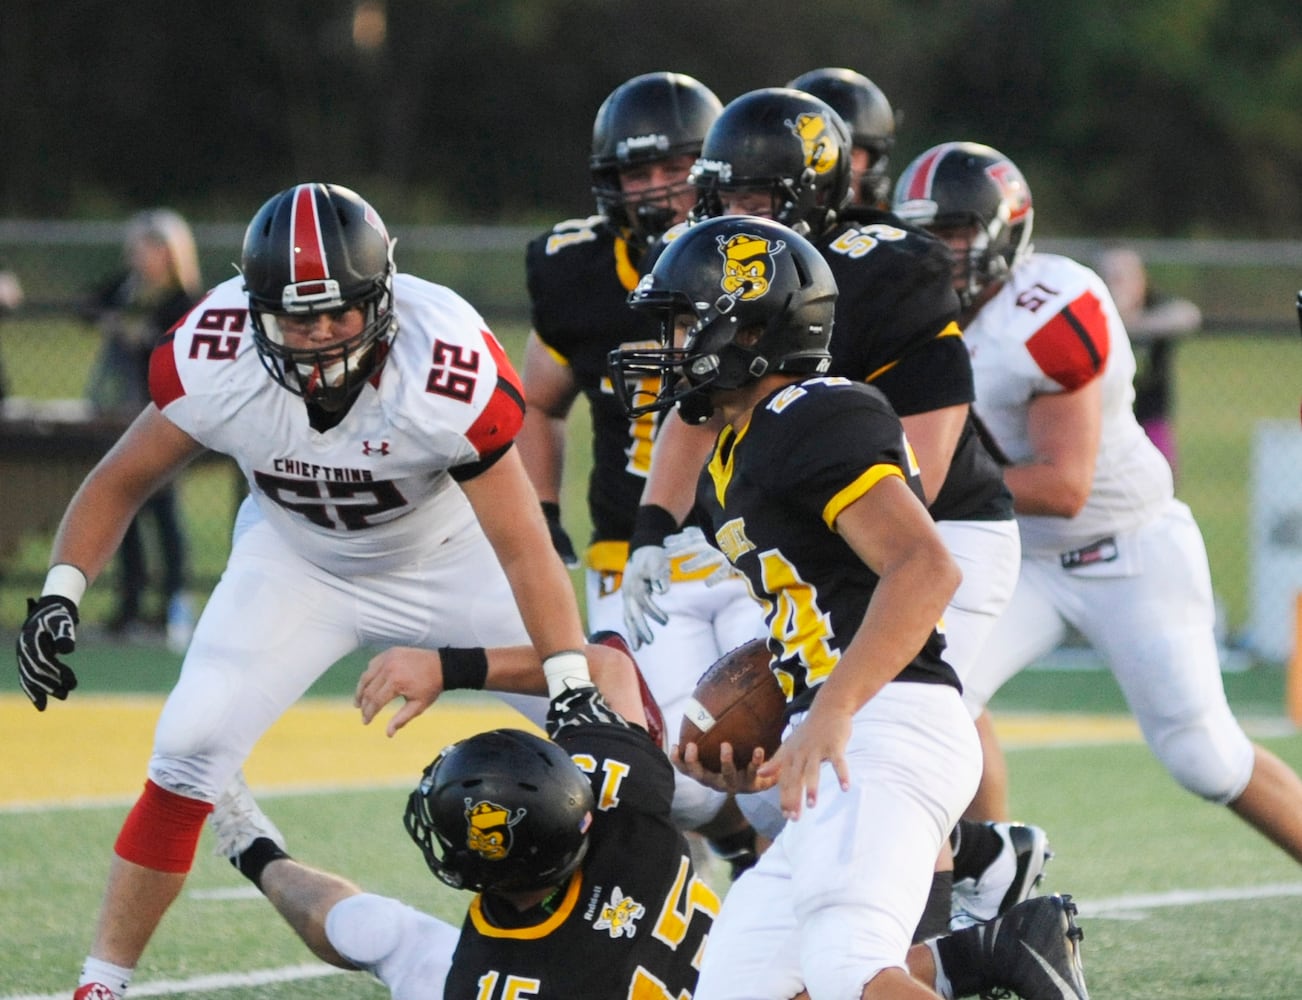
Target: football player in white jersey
387, 507
1106, 547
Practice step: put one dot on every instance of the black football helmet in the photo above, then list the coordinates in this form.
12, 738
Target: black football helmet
652, 117
319, 248
503, 810
725, 276
960, 184
785, 142
869, 115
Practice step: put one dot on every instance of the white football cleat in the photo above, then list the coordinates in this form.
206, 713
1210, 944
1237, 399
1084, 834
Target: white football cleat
1006, 881
237, 821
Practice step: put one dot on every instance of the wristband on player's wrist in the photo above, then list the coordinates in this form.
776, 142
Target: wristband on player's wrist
464, 669
651, 526
565, 671
66, 581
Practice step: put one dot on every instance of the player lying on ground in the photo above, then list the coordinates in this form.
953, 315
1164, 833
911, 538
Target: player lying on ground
535, 854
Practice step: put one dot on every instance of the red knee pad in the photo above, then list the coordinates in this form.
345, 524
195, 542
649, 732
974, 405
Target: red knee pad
162, 830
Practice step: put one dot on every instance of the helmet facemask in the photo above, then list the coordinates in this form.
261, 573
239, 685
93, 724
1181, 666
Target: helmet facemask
796, 202
330, 376
645, 215
705, 357
993, 248
503, 811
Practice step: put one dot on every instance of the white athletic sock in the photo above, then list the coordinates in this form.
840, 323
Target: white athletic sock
115, 977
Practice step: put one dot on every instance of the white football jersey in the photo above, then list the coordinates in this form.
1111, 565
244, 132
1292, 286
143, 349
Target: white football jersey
1052, 328
372, 493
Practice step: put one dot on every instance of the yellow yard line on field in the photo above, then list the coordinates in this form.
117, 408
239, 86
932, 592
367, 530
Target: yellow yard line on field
1035, 729
97, 747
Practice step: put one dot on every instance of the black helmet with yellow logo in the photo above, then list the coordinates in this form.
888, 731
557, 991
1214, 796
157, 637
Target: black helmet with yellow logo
784, 142
501, 811
737, 297
868, 113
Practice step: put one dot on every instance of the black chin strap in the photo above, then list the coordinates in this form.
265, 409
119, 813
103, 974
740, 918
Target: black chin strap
695, 409
321, 420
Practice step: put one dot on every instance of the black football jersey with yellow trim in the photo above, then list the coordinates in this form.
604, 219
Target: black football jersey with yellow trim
632, 922
773, 493
579, 275
896, 329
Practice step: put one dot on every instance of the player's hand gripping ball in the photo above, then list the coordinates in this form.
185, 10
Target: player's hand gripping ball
736, 701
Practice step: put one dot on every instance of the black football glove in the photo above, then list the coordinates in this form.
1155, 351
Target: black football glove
50, 629
560, 540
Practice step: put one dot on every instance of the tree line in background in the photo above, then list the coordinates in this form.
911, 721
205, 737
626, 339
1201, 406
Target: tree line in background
1141, 117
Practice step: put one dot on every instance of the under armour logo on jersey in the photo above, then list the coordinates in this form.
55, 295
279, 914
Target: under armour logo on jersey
375, 449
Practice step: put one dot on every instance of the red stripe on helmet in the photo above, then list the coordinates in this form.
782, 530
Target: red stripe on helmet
923, 174
307, 255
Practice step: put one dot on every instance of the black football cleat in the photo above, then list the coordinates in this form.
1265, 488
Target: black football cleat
1033, 950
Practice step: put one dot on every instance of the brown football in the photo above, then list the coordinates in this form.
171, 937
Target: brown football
736, 701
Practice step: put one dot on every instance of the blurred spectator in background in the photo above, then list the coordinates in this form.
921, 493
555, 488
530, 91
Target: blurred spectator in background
11, 297
1153, 322
133, 310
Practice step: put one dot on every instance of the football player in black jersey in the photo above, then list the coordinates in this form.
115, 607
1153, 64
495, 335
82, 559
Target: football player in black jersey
645, 138
584, 886
569, 856
813, 492
867, 111
785, 154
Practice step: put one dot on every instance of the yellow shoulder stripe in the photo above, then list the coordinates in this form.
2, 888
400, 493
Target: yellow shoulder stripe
870, 478
951, 329
556, 355
624, 267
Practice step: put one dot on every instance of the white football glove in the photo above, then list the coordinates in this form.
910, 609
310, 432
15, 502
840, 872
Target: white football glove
645, 573
701, 555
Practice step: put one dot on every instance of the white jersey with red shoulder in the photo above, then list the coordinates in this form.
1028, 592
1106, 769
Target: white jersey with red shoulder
373, 492
1053, 328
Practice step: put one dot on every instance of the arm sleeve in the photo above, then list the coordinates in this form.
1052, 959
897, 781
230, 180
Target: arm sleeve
409, 951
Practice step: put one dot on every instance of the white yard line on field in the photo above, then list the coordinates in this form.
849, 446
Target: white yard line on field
1137, 907
215, 981
1117, 908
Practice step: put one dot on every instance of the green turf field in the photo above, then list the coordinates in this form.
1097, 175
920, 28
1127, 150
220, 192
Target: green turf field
1178, 899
